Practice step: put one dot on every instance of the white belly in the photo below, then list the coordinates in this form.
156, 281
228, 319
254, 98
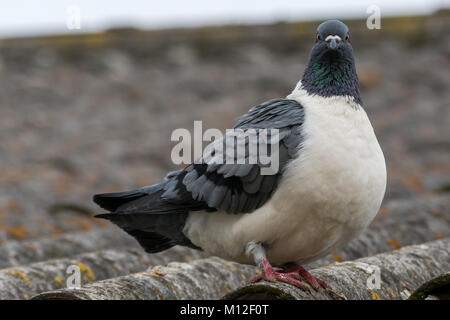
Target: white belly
328, 194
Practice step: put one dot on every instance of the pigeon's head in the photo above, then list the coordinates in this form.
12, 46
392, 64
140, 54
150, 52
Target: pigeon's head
331, 69
332, 42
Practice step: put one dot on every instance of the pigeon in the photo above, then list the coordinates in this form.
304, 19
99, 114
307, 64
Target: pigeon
329, 185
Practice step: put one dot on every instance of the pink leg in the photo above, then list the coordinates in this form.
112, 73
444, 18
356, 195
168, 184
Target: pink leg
269, 274
315, 282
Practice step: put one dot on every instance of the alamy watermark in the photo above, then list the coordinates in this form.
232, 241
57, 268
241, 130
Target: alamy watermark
374, 19
237, 146
73, 21
74, 278
374, 280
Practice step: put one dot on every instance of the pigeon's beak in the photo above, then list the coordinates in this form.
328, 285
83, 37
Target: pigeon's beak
333, 44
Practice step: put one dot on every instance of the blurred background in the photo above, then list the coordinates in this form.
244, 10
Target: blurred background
91, 92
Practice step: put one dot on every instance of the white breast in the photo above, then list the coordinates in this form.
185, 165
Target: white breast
330, 193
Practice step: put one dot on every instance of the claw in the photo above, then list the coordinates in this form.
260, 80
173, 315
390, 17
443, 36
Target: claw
269, 274
291, 274
289, 278
315, 282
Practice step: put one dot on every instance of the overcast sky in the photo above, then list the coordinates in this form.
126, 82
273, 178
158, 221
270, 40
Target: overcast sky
23, 18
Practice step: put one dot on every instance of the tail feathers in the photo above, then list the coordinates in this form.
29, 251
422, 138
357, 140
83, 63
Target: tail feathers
152, 242
111, 201
154, 232
155, 222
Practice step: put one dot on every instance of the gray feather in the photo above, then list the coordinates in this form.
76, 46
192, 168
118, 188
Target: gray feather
242, 187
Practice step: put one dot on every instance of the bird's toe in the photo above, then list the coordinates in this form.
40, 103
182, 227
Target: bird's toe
291, 278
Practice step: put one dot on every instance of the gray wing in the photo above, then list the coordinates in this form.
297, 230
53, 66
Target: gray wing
241, 188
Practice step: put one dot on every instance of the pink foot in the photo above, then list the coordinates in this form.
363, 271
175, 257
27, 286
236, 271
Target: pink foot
315, 282
269, 274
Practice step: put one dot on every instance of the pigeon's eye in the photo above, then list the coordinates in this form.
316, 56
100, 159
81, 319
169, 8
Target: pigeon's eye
347, 38
318, 38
